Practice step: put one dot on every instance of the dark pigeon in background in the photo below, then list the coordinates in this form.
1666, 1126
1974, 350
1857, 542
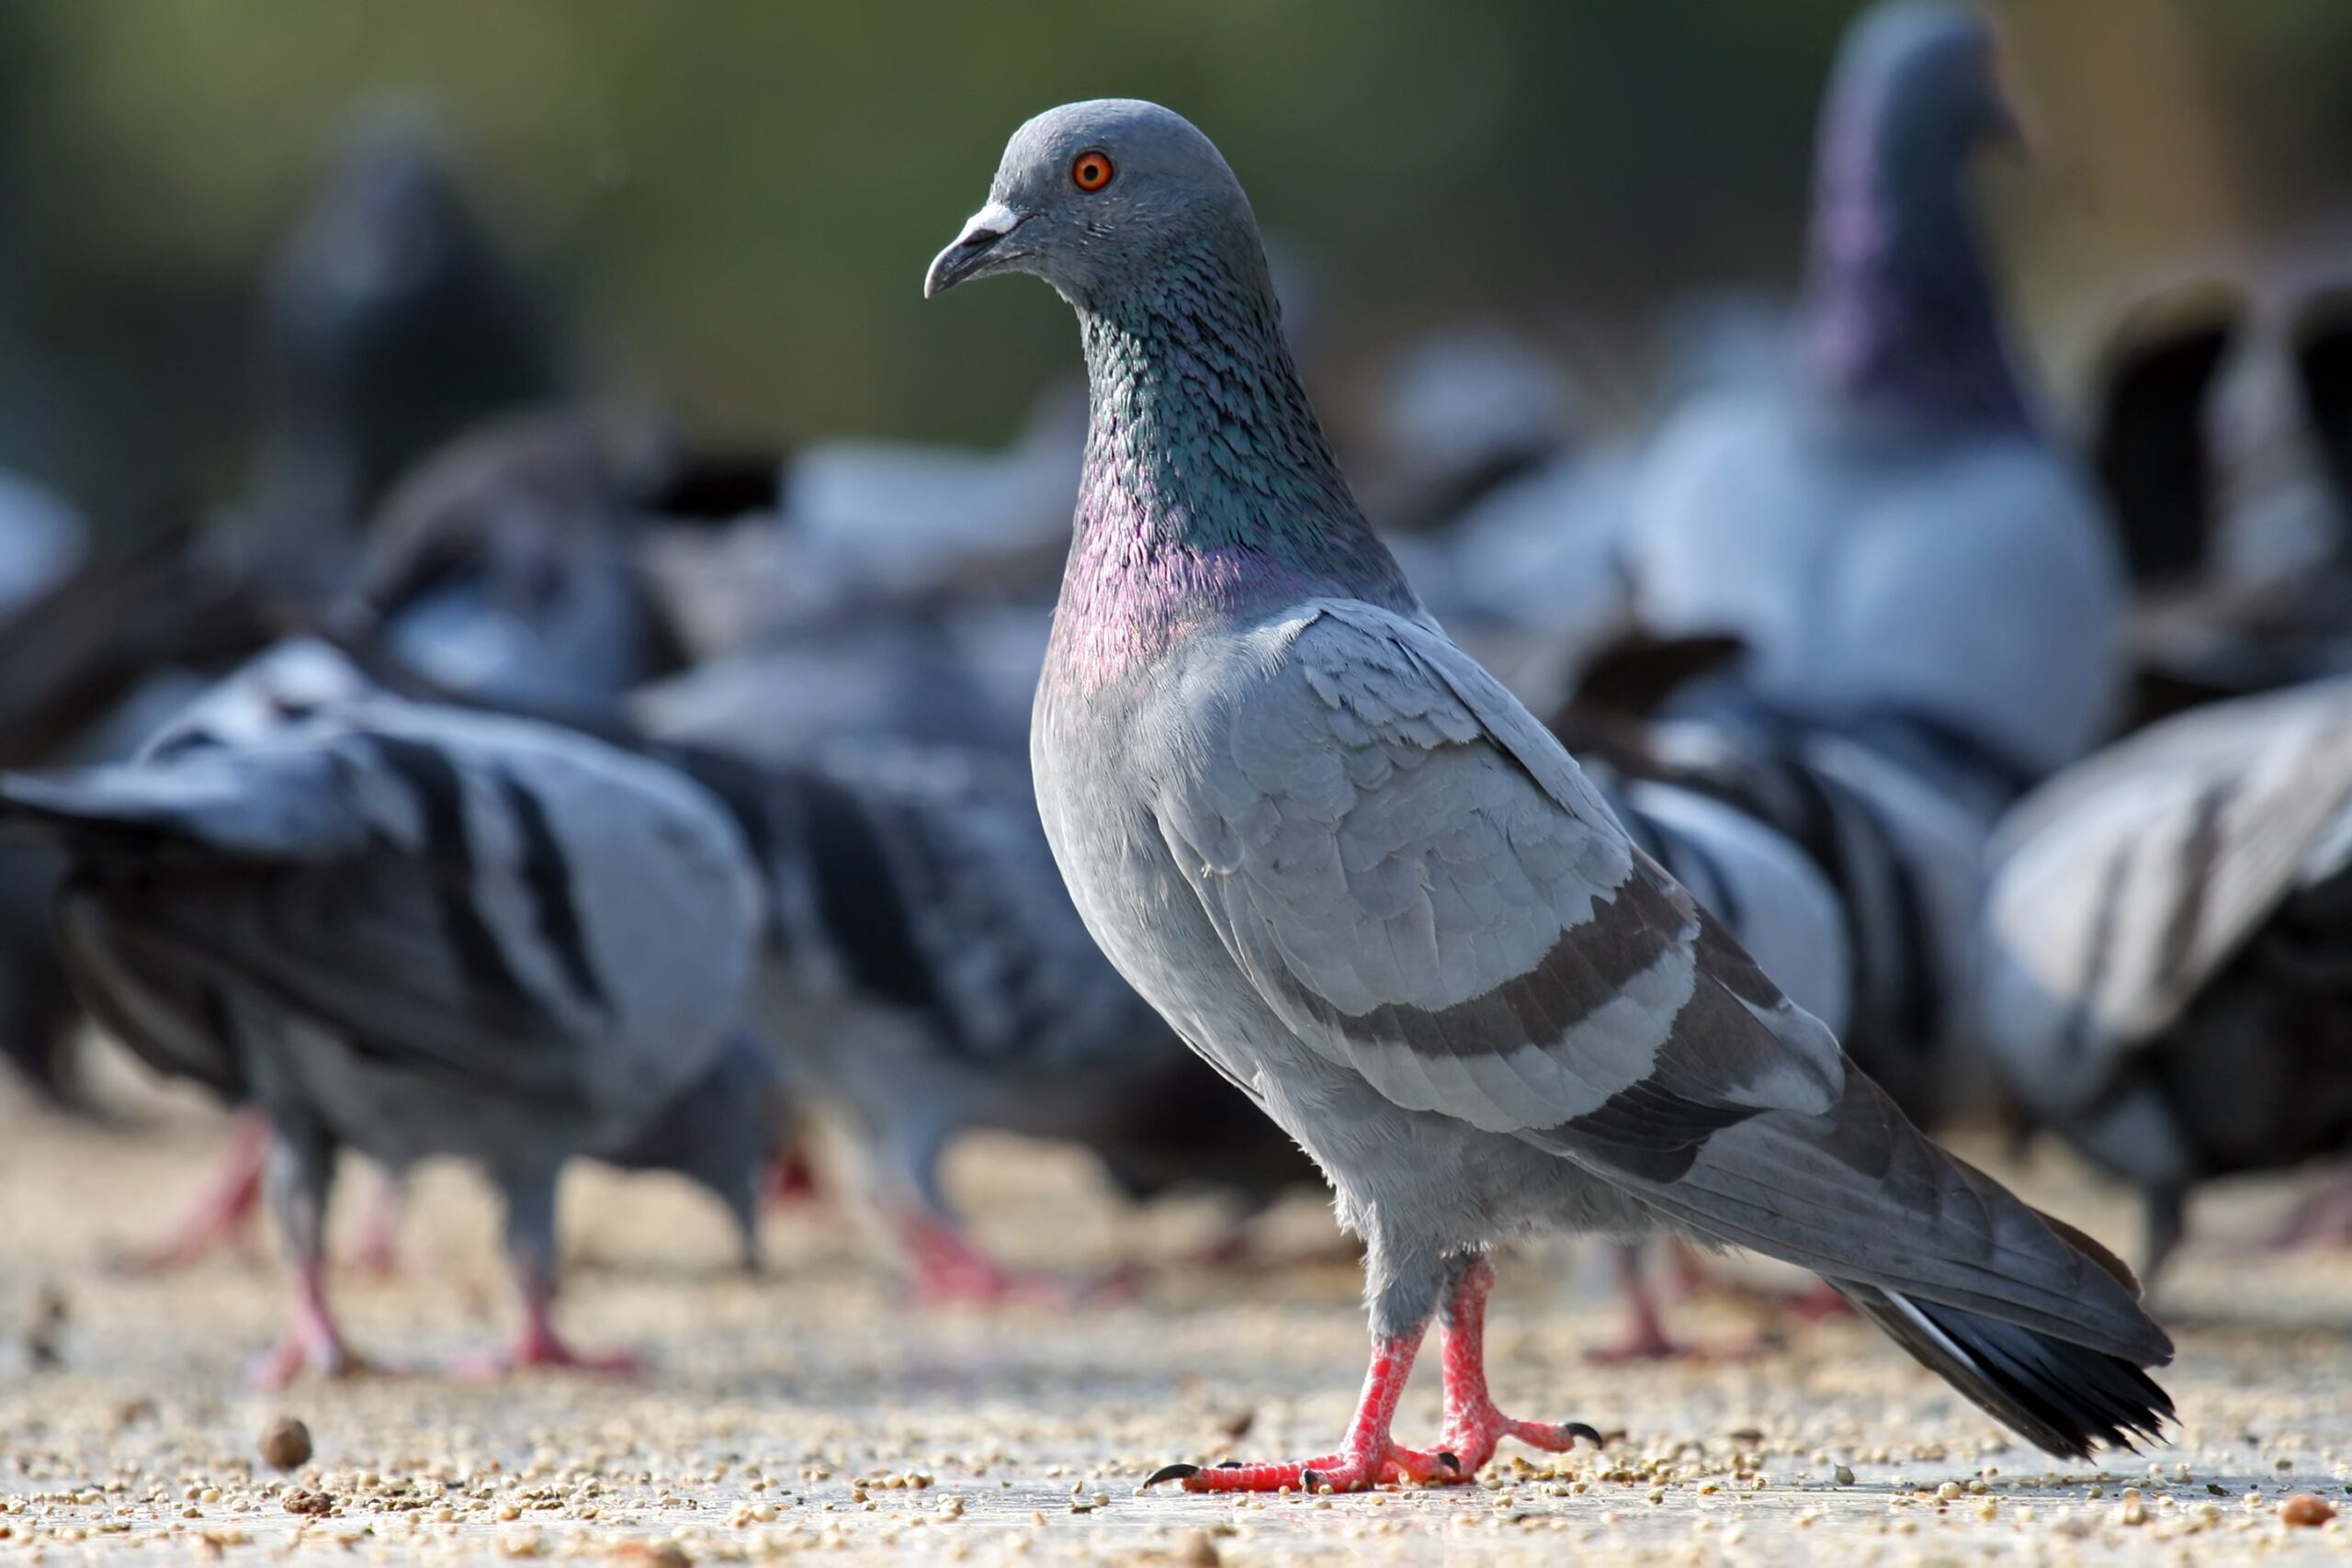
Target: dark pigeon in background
392, 321
2168, 948
412, 931
925, 976
505, 570
1375, 893
1850, 527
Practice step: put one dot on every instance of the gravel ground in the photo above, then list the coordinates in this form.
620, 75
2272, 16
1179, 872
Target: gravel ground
813, 1410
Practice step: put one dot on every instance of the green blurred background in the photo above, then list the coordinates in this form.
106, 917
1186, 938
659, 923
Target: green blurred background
739, 196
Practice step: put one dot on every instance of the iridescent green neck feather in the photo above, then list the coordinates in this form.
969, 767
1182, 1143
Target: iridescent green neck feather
1209, 492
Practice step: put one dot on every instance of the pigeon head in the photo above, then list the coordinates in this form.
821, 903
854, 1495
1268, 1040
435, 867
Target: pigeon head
1921, 79
1901, 318
1207, 490
1095, 197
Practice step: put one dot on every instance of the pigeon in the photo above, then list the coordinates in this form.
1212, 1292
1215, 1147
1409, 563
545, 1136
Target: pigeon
1464, 411
2224, 441
1776, 904
412, 931
961, 679
1854, 528
1365, 883
1902, 863
504, 571
2165, 980
2148, 445
390, 321
926, 976
42, 538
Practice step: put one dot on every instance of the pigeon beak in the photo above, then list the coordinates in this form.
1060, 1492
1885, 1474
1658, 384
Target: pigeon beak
978, 251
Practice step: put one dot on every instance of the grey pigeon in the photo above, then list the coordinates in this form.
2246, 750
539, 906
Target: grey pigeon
1903, 863
411, 931
1908, 559
2167, 979
2225, 439
504, 570
391, 322
961, 678
925, 976
1375, 892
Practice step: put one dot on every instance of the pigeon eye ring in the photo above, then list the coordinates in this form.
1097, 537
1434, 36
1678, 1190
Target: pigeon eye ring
1092, 170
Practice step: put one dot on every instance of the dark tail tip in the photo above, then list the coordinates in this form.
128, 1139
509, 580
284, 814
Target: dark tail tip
2065, 1398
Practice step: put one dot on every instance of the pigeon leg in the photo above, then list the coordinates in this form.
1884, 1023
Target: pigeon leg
1646, 1337
530, 1253
951, 1269
1367, 1456
1473, 1425
379, 1252
218, 1214
790, 1179
300, 1171
2320, 1220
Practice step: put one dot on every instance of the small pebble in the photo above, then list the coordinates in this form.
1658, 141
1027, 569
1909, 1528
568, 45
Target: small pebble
286, 1444
2305, 1511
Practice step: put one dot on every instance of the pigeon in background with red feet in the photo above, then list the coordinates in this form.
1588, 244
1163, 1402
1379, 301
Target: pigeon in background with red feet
411, 932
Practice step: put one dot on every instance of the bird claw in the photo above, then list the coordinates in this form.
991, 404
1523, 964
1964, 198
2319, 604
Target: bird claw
1334, 1473
1179, 1470
293, 1356
1471, 1439
545, 1350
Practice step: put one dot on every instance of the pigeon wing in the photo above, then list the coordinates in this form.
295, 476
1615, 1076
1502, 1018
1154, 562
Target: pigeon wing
1420, 881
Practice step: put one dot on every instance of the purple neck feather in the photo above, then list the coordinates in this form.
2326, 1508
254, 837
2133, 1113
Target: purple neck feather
1208, 492
1901, 323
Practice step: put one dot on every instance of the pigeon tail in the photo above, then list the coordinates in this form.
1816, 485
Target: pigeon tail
2062, 1397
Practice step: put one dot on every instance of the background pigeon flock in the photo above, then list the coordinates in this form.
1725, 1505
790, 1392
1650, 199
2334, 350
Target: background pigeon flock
1708, 794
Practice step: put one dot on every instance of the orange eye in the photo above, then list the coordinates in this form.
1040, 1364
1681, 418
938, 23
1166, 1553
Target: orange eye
1093, 171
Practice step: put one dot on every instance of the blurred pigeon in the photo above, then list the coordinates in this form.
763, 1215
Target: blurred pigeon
2224, 439
505, 570
1853, 529
2151, 442
925, 975
1775, 902
1464, 411
961, 678
2166, 975
392, 323
42, 539
411, 932
1368, 887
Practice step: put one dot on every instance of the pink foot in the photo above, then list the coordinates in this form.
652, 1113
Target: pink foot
378, 1255
2324, 1219
1817, 1303
539, 1346
790, 1180
311, 1342
1391, 1464
1368, 1458
291, 1357
951, 1271
218, 1216
1645, 1344
1646, 1337
1472, 1425
1470, 1438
